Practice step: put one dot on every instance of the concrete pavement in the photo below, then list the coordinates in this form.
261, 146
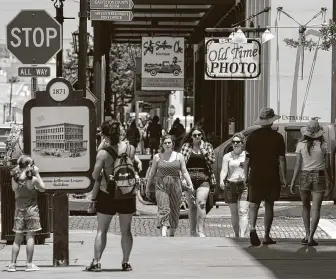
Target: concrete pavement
155, 257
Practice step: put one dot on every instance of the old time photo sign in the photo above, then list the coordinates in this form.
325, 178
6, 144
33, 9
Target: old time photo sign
231, 61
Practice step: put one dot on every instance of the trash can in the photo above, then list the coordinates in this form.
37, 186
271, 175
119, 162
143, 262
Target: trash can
8, 208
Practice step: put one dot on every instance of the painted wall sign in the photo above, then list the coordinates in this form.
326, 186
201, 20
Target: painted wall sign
60, 134
230, 61
162, 65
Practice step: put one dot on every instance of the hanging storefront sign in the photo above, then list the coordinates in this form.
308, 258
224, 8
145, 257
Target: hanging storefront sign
231, 61
162, 65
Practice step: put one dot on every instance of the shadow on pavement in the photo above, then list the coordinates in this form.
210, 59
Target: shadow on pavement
327, 211
292, 260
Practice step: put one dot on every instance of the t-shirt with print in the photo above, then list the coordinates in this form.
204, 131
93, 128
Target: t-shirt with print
264, 147
316, 159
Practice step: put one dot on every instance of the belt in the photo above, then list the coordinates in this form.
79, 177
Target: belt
196, 169
313, 171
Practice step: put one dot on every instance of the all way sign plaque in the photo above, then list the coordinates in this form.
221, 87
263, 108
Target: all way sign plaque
34, 71
105, 15
112, 4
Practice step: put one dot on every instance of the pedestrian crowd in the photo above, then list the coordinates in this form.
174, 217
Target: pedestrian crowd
252, 172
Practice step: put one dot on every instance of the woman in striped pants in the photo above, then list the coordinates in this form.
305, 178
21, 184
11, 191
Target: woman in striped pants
166, 168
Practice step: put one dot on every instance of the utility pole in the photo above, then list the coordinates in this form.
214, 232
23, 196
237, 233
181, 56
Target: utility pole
12, 81
60, 217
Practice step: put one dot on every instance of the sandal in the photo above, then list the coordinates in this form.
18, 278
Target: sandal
304, 241
126, 267
254, 239
312, 243
269, 241
94, 267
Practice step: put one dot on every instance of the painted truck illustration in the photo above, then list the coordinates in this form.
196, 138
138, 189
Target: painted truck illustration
165, 67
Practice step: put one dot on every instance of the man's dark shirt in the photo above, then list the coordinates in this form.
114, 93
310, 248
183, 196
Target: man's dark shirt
264, 147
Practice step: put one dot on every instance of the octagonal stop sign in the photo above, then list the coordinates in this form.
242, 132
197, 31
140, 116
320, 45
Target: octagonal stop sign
34, 37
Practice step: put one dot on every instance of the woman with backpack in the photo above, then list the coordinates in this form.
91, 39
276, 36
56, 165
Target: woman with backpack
166, 168
111, 198
232, 180
312, 162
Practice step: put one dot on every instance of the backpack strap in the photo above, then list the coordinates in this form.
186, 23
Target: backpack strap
113, 154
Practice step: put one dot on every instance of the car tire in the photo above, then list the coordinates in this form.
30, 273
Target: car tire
176, 72
153, 72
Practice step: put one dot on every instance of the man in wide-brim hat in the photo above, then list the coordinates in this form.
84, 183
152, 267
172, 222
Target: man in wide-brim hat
265, 148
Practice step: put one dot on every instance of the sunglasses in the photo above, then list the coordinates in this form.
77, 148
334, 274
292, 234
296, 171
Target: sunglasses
236, 142
167, 143
197, 135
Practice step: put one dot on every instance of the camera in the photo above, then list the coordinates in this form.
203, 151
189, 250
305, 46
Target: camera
30, 172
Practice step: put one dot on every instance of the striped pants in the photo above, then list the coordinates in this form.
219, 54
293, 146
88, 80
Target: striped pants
168, 194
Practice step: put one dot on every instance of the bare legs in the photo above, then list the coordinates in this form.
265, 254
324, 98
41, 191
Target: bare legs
100, 241
30, 236
197, 213
311, 226
125, 222
239, 217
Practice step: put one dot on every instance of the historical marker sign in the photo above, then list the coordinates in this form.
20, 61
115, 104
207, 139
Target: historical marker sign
105, 15
34, 71
59, 131
112, 4
34, 36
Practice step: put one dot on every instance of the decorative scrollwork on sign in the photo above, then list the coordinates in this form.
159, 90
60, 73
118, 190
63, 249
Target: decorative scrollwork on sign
58, 3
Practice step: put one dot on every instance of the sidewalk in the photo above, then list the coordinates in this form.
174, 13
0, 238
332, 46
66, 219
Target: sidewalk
155, 257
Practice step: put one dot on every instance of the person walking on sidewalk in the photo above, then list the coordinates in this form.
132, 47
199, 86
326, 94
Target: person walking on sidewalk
265, 150
312, 162
154, 134
26, 182
166, 168
232, 180
199, 156
106, 204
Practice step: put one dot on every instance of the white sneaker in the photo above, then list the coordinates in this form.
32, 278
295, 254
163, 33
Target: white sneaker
12, 267
32, 267
201, 234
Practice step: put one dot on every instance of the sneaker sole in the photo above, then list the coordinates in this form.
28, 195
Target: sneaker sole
11, 270
31, 269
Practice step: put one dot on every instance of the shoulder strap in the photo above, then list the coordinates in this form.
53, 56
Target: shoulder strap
113, 154
111, 151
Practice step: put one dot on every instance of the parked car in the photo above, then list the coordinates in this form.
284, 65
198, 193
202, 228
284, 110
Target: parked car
291, 133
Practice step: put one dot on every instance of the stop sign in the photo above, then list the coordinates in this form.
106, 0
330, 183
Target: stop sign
34, 37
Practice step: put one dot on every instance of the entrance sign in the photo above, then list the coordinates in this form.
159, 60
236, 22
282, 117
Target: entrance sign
34, 37
162, 63
112, 4
60, 134
59, 91
111, 15
34, 71
231, 61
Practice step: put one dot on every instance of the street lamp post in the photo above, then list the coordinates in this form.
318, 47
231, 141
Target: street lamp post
12, 81
90, 67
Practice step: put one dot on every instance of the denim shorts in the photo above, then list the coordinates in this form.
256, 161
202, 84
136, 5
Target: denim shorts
235, 191
199, 178
312, 181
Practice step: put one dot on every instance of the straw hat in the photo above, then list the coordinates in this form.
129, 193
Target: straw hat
266, 117
313, 129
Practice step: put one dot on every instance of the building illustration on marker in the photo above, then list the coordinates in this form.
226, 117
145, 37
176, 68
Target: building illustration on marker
60, 140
